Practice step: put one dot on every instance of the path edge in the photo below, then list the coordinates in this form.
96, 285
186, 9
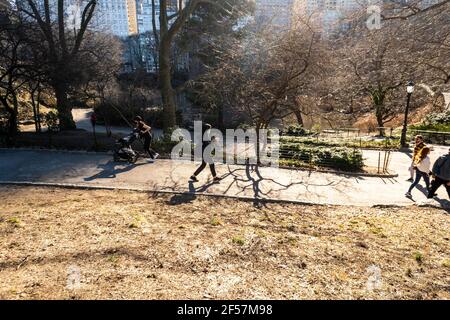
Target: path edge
205, 194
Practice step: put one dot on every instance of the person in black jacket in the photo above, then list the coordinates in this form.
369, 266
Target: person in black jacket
206, 129
145, 132
441, 175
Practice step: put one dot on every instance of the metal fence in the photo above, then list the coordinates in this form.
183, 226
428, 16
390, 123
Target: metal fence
357, 132
436, 137
378, 161
343, 154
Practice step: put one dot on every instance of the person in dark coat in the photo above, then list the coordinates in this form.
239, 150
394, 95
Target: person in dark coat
206, 128
441, 175
145, 132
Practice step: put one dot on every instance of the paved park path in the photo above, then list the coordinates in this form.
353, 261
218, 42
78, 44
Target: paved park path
82, 118
98, 170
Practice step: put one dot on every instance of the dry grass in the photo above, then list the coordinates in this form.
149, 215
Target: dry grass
415, 117
135, 245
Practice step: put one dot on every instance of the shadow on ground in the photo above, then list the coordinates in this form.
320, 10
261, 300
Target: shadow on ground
248, 180
111, 169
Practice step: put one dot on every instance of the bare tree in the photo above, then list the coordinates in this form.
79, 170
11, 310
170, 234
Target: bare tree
430, 43
412, 44
170, 26
380, 65
14, 62
36, 88
395, 10
61, 45
101, 58
262, 75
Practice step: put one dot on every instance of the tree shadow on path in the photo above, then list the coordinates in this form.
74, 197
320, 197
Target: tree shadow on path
189, 196
253, 180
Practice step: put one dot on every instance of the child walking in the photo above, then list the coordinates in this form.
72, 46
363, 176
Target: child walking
422, 167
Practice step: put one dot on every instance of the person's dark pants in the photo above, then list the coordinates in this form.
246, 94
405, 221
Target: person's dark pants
147, 142
420, 175
436, 184
202, 166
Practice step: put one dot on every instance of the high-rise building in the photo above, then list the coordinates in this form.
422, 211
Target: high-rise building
146, 36
144, 14
118, 17
277, 13
329, 16
132, 17
326, 16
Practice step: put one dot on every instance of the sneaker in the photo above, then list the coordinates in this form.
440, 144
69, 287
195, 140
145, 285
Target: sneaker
194, 178
156, 156
216, 179
410, 180
431, 196
408, 195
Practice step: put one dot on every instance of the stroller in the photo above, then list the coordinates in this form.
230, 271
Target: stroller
123, 150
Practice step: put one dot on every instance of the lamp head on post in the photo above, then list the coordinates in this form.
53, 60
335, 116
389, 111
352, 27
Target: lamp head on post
410, 87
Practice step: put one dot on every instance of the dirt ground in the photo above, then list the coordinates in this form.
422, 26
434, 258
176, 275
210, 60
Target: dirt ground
79, 244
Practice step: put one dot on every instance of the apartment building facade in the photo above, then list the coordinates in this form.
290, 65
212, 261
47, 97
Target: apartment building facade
277, 13
118, 17
145, 15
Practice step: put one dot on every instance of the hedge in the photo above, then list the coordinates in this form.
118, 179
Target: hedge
340, 158
353, 143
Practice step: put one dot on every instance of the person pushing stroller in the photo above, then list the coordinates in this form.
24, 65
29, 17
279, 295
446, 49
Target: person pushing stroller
145, 132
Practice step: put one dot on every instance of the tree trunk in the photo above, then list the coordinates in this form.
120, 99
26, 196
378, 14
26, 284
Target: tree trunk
380, 122
156, 37
299, 117
35, 103
12, 123
36, 125
167, 36
38, 111
12, 120
167, 91
64, 108
258, 154
220, 118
